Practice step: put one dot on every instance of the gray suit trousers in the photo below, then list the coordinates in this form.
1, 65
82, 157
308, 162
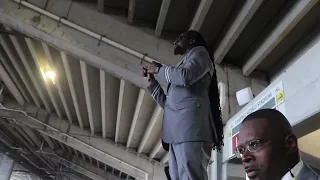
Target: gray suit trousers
189, 160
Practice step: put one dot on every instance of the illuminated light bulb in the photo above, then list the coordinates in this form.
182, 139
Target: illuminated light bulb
51, 75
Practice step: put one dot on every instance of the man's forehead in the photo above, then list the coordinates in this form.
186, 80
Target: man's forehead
252, 129
184, 34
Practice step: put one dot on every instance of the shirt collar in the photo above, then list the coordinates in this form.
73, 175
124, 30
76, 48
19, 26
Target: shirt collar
295, 171
190, 53
194, 49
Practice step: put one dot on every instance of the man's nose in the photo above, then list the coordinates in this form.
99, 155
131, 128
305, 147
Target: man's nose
247, 156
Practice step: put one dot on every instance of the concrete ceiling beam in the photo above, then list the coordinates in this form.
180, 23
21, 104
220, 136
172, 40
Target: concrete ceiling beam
101, 55
242, 19
52, 59
137, 111
9, 48
155, 117
162, 17
201, 14
289, 21
35, 53
5, 77
80, 140
67, 64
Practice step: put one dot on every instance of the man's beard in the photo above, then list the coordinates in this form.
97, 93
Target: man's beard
177, 50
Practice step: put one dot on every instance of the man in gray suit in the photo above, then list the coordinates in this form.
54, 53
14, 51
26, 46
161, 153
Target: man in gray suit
269, 150
192, 119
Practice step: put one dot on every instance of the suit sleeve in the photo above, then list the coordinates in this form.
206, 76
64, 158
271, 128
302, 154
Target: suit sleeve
196, 66
157, 93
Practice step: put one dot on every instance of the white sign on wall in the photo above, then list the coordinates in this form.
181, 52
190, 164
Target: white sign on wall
273, 99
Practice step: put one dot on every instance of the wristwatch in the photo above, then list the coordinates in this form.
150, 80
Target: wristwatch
158, 68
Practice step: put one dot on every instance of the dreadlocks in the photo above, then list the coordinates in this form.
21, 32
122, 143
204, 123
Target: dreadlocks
213, 93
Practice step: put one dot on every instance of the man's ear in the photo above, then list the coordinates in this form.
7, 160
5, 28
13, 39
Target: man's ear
192, 41
291, 143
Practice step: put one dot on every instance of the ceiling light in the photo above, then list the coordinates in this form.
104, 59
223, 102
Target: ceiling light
49, 76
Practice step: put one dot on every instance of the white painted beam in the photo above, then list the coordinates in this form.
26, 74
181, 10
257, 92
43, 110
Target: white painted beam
25, 62
120, 103
76, 153
87, 94
35, 54
162, 17
48, 140
244, 16
62, 146
14, 77
137, 111
101, 5
156, 149
201, 14
69, 149
26, 137
17, 65
103, 103
109, 89
11, 85
83, 157
57, 81
131, 10
72, 87
290, 20
151, 124
32, 136
105, 151
165, 158
90, 159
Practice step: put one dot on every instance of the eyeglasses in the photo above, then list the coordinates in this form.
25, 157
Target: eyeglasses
252, 146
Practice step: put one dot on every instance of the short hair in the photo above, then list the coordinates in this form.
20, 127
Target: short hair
277, 122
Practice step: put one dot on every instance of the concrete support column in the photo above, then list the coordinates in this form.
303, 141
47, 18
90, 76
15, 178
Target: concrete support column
6, 166
215, 171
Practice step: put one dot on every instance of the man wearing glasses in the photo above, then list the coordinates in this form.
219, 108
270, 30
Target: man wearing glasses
269, 150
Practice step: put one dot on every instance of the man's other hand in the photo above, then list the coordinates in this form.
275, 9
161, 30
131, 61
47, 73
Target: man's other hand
151, 78
147, 75
153, 68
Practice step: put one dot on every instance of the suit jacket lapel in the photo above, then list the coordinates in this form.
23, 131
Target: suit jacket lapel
181, 62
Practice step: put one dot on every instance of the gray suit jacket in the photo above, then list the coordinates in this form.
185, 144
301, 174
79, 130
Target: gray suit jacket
187, 106
307, 173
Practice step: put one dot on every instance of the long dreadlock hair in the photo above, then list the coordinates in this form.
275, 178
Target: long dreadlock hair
213, 93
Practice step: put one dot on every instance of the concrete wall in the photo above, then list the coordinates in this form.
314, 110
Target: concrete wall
234, 80
301, 82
